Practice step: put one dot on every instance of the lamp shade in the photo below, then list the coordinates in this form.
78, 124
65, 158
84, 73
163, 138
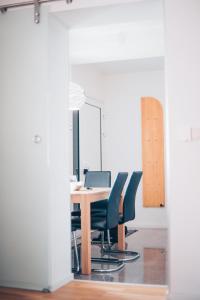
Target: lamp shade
76, 96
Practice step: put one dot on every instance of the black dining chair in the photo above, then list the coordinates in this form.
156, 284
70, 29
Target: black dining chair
127, 215
107, 221
92, 179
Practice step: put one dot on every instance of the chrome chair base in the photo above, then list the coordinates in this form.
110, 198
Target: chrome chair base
108, 261
105, 260
132, 254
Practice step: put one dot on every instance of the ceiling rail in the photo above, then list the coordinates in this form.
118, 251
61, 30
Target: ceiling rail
35, 3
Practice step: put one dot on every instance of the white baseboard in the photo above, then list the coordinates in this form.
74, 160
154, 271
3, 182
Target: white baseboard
183, 297
145, 226
59, 284
21, 285
36, 287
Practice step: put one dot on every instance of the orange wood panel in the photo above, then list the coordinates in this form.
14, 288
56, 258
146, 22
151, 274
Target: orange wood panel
152, 152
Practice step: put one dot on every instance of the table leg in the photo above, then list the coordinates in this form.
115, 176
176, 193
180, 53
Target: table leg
121, 228
121, 237
85, 238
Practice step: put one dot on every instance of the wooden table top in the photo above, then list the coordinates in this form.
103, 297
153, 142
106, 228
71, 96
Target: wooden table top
90, 195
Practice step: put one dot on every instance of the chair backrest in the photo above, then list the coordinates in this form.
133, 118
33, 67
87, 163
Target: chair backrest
97, 179
114, 200
129, 198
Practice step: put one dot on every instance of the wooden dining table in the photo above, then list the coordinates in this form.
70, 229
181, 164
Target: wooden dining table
85, 197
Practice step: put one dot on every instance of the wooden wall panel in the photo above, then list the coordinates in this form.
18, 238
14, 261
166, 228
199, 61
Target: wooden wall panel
152, 152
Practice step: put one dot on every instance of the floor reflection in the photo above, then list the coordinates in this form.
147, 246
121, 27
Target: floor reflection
150, 268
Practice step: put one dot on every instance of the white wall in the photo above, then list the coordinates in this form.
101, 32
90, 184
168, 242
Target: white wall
183, 93
34, 214
122, 129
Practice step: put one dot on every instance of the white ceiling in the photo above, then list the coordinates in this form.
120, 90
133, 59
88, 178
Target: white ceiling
120, 37
127, 66
122, 13
112, 42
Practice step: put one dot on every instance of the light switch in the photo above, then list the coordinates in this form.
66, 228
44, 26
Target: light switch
184, 134
195, 134
189, 134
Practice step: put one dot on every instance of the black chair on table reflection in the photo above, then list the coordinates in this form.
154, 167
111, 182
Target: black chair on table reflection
97, 179
76, 269
92, 179
107, 221
127, 215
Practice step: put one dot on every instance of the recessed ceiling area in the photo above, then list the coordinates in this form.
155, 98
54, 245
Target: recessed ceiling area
126, 66
113, 14
117, 38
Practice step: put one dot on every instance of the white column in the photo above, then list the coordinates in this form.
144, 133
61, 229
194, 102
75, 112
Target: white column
183, 105
60, 223
34, 193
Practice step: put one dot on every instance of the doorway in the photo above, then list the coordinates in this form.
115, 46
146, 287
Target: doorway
115, 61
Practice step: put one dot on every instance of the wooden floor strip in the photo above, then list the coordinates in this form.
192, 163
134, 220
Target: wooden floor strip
79, 290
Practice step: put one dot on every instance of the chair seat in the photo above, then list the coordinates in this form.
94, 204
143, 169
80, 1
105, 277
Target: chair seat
98, 207
97, 223
76, 213
102, 204
102, 213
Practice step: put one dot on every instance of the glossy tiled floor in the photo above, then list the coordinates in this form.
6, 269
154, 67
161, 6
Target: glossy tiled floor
150, 268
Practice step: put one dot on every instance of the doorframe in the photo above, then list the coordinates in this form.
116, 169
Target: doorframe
87, 4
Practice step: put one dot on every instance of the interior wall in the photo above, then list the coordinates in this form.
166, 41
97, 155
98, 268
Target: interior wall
34, 192
183, 106
122, 128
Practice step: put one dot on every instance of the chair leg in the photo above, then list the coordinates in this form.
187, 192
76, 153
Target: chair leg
102, 242
77, 269
132, 254
103, 248
102, 260
108, 238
